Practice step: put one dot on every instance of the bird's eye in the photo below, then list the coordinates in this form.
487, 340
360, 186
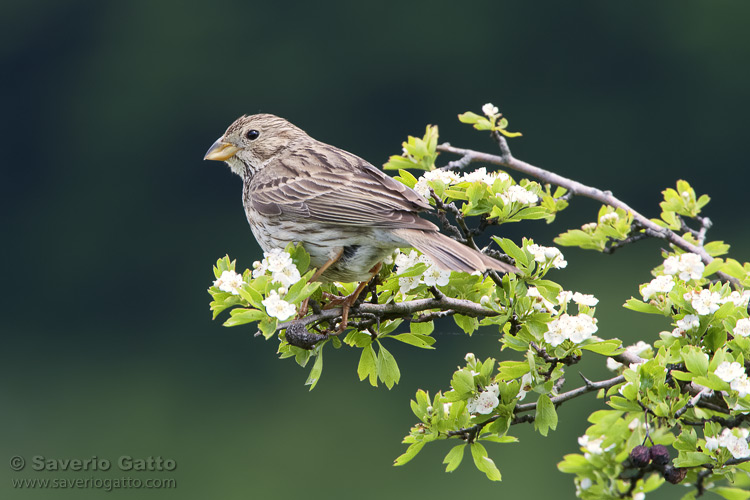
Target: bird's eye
252, 134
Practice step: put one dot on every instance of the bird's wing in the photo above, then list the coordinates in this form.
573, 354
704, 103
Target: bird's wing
327, 185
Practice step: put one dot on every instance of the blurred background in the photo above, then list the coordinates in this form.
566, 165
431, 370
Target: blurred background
111, 221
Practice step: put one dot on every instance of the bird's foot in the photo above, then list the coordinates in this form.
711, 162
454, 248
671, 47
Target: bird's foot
346, 303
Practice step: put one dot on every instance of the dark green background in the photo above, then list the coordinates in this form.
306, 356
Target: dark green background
111, 220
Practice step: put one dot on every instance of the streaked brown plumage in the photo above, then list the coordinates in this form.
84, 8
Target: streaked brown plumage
296, 188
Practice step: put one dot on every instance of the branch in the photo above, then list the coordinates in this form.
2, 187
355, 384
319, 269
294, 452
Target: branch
574, 393
605, 197
470, 433
394, 310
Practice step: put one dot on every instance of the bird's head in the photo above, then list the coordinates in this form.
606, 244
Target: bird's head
252, 141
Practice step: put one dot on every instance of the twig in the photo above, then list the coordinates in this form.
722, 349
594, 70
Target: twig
507, 160
470, 433
395, 310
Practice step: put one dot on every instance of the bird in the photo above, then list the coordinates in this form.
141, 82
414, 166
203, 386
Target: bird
349, 215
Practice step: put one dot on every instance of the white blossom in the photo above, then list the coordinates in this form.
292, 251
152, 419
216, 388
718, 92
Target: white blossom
540, 303
279, 263
593, 446
738, 448
277, 259
638, 348
470, 358
481, 175
406, 260
277, 307
517, 194
639, 496
712, 443
582, 328
447, 177
739, 299
432, 276
259, 268
660, 284
634, 424
490, 110
742, 328
742, 385
727, 371
736, 445
287, 276
589, 227
613, 365
586, 483
704, 302
689, 322
687, 266
408, 283
585, 299
544, 254
564, 297
485, 402
574, 328
610, 217
526, 385
677, 332
229, 281
435, 276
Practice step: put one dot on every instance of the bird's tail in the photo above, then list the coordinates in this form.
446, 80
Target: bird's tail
451, 255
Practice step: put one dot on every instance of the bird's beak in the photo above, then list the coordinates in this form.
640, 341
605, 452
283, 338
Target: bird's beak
220, 151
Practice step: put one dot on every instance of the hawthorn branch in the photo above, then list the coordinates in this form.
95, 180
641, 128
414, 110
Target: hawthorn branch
507, 160
394, 310
470, 433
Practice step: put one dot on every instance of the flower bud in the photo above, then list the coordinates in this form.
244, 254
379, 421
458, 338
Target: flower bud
469, 358
640, 456
659, 454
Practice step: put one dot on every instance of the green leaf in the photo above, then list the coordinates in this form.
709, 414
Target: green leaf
546, 416
410, 453
417, 341
512, 250
454, 457
469, 117
484, 463
500, 439
609, 347
301, 290
368, 365
251, 295
691, 459
387, 367
574, 464
267, 327
695, 360
640, 306
467, 323
406, 178
716, 248
317, 369
731, 493
508, 370
243, 316
423, 328
463, 382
